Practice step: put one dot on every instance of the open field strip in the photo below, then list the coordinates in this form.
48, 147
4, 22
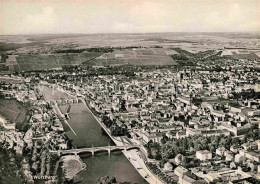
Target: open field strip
9, 109
16, 116
58, 109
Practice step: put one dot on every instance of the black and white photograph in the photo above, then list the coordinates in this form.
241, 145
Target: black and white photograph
129, 91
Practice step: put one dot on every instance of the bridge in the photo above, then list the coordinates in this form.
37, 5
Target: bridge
67, 101
93, 150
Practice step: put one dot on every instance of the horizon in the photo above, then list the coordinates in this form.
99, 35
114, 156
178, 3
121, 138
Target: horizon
25, 17
212, 32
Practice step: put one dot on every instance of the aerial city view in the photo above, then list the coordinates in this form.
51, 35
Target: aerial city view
129, 92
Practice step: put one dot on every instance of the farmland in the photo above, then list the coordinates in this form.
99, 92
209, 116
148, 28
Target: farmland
140, 56
57, 52
54, 61
240, 54
12, 110
75, 58
35, 62
102, 57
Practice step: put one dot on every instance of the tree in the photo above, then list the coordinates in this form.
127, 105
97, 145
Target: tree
245, 137
198, 147
235, 141
11, 171
190, 144
107, 121
162, 162
106, 180
158, 156
149, 152
212, 148
164, 139
184, 161
185, 144
123, 105
149, 144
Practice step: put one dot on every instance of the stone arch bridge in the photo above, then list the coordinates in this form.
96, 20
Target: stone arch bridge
93, 150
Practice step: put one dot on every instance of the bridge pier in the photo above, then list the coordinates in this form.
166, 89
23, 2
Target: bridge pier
93, 151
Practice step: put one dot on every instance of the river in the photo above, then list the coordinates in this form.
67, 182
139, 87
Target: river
88, 133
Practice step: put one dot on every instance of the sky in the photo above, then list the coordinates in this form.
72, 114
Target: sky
128, 16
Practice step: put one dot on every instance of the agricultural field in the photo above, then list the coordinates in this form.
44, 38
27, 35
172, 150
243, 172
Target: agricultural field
10, 80
12, 110
11, 60
36, 62
33, 62
241, 54
113, 57
3, 67
76, 58
53, 94
143, 56
67, 59
245, 56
